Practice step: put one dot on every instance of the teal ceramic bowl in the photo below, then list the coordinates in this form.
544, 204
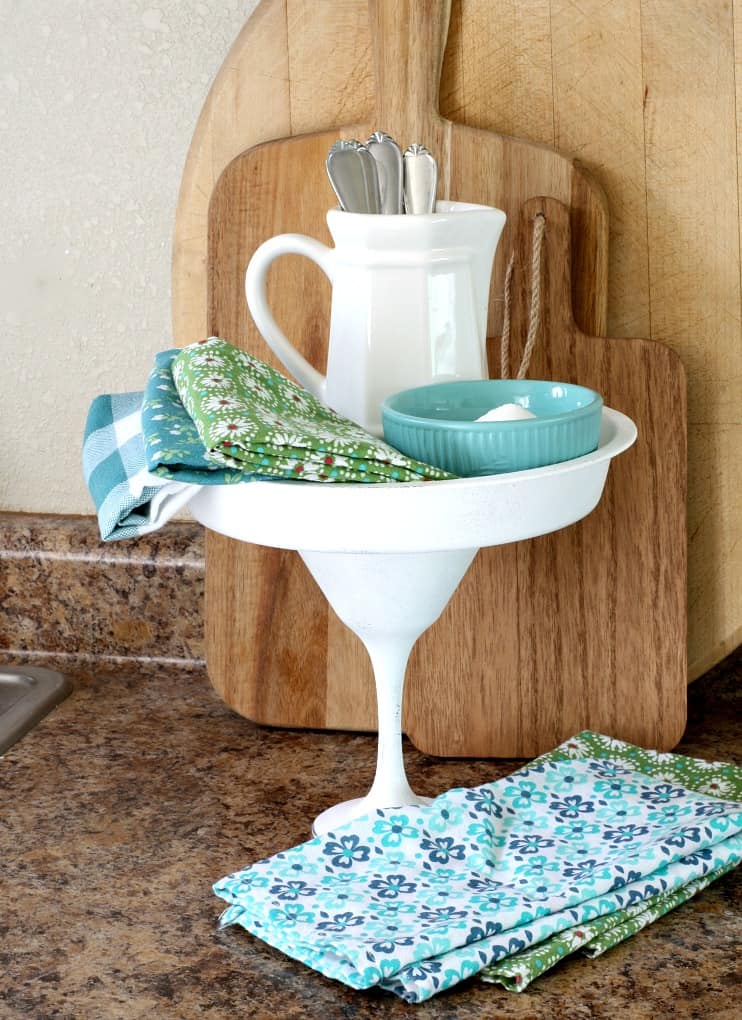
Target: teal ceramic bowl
436, 424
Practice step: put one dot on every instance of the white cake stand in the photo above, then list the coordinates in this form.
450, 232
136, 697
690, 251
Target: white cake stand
389, 558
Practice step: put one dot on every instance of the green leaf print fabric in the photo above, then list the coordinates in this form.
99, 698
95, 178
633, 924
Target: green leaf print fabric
251, 418
581, 848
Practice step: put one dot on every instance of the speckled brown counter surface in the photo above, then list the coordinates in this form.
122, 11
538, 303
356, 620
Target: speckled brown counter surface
125, 804
69, 600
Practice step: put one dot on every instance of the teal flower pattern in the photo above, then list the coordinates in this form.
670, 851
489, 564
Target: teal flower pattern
394, 829
346, 851
524, 794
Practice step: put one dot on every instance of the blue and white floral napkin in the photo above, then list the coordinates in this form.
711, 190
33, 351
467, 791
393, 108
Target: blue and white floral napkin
417, 899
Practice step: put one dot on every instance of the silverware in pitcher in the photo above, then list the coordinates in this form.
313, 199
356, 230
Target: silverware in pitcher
376, 178
420, 180
353, 176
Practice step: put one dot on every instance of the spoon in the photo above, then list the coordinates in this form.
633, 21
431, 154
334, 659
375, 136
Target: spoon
354, 177
420, 180
388, 156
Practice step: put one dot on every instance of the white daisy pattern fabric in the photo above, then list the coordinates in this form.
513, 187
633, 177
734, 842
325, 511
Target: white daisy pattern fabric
251, 418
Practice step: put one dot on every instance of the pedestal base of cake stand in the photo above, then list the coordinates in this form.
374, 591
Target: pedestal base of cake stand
389, 558
388, 600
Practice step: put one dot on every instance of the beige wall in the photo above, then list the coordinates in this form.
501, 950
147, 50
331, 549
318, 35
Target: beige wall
98, 101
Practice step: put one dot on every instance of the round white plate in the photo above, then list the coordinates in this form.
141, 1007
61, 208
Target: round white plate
415, 516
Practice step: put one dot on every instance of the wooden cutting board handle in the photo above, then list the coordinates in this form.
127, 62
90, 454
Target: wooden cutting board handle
408, 39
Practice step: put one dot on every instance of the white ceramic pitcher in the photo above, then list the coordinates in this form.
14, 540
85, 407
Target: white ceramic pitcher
409, 303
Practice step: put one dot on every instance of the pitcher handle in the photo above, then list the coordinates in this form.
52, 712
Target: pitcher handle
257, 302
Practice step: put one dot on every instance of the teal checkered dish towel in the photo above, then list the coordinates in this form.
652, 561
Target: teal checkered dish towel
129, 499
252, 418
581, 848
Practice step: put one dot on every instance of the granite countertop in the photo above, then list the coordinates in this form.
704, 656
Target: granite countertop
124, 805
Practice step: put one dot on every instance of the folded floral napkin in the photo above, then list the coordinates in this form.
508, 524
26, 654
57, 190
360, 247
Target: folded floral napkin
129, 499
172, 445
251, 418
594, 937
716, 779
417, 899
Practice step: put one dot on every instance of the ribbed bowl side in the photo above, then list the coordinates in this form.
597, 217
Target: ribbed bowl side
484, 451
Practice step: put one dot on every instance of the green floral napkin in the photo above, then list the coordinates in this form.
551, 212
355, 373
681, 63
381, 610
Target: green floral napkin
252, 418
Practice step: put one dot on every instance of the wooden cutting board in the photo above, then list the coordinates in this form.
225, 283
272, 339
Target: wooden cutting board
275, 651
588, 628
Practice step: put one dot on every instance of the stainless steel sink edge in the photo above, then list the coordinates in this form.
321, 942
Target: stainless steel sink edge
27, 694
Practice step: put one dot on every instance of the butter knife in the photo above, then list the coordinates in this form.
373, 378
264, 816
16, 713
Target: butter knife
420, 180
388, 156
354, 177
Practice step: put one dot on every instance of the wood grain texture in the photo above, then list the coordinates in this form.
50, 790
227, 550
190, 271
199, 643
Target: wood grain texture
515, 657
642, 94
499, 74
343, 93
693, 234
507, 77
231, 120
592, 630
598, 104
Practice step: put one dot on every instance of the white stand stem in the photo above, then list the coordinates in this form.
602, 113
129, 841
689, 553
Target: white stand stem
390, 786
388, 600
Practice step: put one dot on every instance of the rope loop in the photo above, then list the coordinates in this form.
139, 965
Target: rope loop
534, 312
